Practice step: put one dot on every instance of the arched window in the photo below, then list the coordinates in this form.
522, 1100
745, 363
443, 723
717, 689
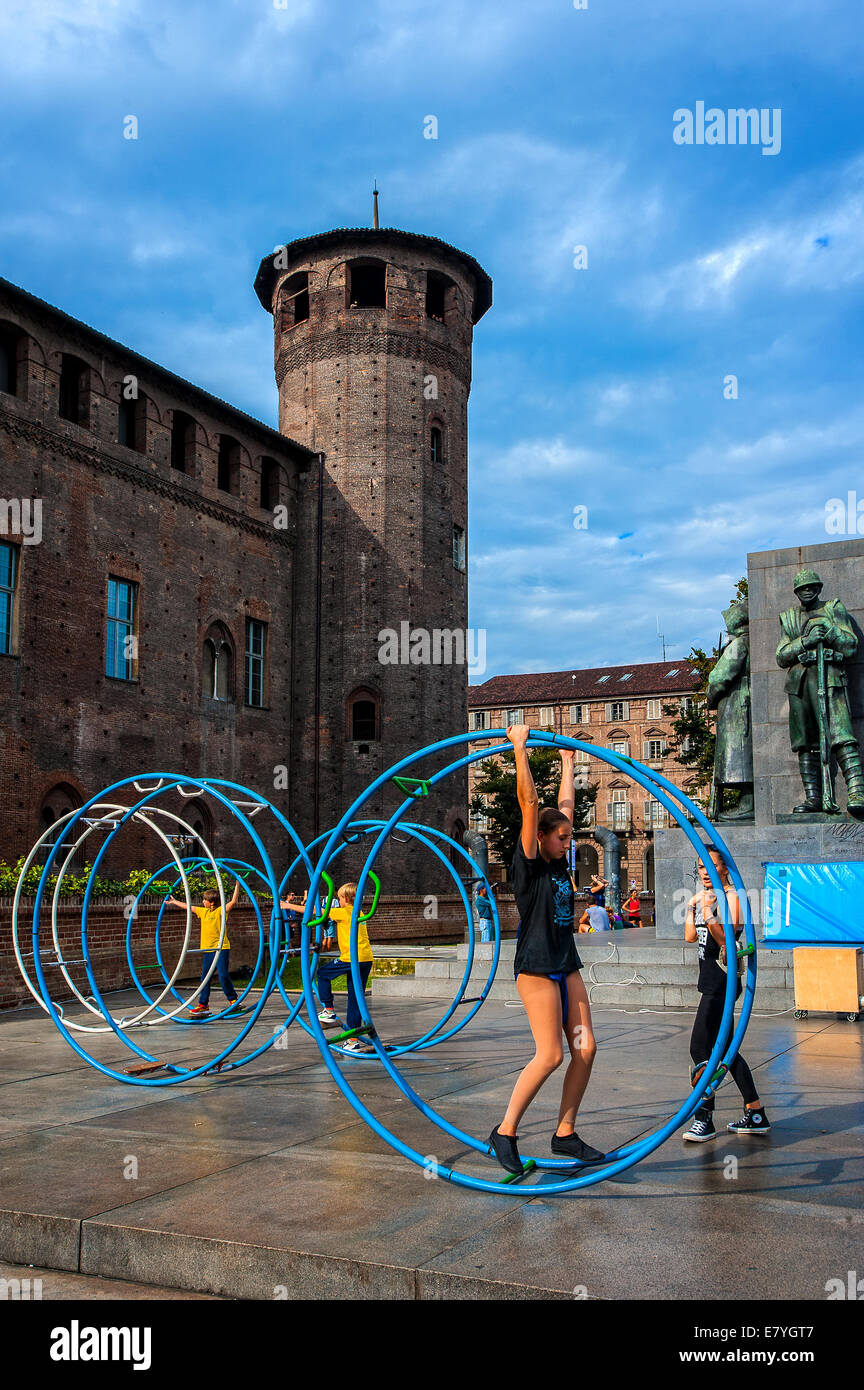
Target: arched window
218, 665
198, 816
74, 382
294, 300
436, 444
367, 284
438, 296
182, 441
12, 345
229, 464
270, 478
363, 719
61, 799
132, 423
364, 707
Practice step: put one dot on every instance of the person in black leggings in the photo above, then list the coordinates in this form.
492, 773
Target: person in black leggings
703, 924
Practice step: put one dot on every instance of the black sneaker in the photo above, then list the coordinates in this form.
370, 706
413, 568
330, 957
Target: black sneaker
571, 1146
701, 1128
751, 1122
504, 1148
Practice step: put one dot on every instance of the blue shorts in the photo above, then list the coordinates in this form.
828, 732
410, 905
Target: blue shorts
561, 981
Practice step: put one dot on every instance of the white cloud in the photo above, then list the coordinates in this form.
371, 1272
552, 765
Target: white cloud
812, 241
543, 199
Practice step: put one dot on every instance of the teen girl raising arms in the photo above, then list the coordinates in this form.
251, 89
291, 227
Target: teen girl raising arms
547, 964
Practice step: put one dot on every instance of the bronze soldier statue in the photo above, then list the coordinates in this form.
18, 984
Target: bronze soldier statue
817, 638
729, 694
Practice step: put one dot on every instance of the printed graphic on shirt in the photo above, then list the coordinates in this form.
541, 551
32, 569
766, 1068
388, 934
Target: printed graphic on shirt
563, 902
702, 938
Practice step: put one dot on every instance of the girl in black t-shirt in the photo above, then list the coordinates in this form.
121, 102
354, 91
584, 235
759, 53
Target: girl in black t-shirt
547, 963
704, 924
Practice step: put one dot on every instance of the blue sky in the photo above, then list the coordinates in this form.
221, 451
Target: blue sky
601, 386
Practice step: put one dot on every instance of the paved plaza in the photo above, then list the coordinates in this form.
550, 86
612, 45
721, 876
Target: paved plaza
264, 1183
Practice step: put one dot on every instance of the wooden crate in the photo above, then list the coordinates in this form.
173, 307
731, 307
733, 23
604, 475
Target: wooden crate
829, 979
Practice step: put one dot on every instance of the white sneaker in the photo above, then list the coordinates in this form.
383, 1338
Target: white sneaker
352, 1045
328, 1018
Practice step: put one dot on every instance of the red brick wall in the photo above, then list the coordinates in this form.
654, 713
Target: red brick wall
399, 920
198, 554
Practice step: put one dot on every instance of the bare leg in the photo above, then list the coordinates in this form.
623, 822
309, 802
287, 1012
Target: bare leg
580, 1039
542, 1000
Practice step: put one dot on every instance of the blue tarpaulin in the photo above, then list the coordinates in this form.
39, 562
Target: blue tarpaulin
814, 905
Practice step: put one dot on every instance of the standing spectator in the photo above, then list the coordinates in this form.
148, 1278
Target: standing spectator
484, 911
633, 910
598, 889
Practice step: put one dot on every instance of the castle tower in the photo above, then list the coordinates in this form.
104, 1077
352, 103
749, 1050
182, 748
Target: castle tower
373, 333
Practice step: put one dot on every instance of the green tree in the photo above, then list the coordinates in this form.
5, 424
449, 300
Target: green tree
692, 739
496, 797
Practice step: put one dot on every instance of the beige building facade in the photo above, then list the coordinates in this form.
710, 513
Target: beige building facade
629, 710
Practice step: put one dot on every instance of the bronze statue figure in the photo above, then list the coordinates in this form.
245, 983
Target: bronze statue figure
729, 694
817, 638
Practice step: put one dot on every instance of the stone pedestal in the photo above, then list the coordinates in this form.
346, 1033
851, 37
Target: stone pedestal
776, 835
836, 839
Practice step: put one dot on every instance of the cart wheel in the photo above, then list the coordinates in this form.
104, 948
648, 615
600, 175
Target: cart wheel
800, 1013
852, 1018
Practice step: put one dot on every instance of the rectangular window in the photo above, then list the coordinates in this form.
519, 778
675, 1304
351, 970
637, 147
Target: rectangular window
654, 710
621, 747
655, 749
655, 815
459, 547
686, 704
546, 716
8, 580
120, 647
256, 634
477, 719
580, 756
618, 810
618, 711
512, 716
576, 714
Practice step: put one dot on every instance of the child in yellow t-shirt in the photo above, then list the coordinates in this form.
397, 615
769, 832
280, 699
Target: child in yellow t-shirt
210, 916
329, 970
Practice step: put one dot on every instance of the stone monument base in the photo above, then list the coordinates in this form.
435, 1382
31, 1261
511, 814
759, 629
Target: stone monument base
804, 839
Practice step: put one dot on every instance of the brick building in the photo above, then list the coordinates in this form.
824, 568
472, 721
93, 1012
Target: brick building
616, 707
205, 593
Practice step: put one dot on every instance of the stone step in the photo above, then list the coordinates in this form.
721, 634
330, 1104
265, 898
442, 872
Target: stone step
614, 971
597, 946
769, 997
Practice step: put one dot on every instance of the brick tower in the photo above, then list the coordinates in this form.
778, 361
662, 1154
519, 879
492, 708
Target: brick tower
373, 333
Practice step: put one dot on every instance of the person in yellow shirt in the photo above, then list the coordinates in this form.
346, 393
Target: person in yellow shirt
329, 970
210, 916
